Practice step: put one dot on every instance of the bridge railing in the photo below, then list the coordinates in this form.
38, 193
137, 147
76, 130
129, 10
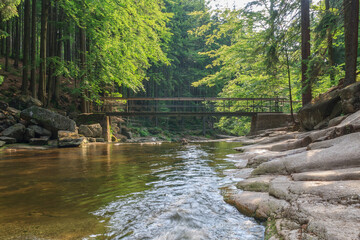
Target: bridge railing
193, 105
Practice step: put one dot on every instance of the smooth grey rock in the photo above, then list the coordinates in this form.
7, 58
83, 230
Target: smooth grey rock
257, 204
16, 131
100, 140
345, 153
333, 175
48, 119
335, 121
257, 184
93, 130
2, 143
8, 140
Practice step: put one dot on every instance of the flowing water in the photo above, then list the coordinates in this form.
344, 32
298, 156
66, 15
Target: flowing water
128, 191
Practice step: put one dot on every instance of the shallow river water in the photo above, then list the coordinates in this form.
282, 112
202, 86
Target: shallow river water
128, 191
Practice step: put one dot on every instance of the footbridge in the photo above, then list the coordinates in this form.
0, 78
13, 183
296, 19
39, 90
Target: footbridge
191, 106
265, 112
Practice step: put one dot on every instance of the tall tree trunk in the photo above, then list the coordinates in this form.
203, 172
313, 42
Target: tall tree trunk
27, 19
8, 30
67, 47
351, 15
59, 45
17, 43
51, 51
305, 51
330, 46
33, 50
84, 104
43, 34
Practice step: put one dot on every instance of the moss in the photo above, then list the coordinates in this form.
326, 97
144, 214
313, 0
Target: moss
254, 187
271, 231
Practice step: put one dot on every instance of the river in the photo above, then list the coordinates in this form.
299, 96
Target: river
121, 191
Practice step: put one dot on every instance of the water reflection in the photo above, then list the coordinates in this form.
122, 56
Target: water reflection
129, 191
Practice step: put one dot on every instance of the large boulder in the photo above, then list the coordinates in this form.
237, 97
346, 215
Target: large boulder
350, 98
16, 131
39, 131
23, 101
330, 105
48, 119
92, 131
29, 134
315, 112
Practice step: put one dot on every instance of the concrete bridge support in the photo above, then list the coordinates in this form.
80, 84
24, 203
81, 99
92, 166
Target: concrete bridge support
264, 121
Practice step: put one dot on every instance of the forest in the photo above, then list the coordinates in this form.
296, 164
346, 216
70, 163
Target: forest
76, 52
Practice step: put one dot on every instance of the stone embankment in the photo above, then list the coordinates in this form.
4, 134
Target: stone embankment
38, 126
306, 185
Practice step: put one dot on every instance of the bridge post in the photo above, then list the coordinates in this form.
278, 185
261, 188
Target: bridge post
204, 126
108, 129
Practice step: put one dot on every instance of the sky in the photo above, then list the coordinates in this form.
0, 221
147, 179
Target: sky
228, 3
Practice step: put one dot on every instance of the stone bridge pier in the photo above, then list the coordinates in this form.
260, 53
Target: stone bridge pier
265, 121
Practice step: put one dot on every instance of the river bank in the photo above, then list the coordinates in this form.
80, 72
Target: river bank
305, 185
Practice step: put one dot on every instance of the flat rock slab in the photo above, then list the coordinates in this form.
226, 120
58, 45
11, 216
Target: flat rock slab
257, 184
257, 204
339, 192
328, 221
345, 153
332, 175
270, 155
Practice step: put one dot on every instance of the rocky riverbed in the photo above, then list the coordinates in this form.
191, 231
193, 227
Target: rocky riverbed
306, 185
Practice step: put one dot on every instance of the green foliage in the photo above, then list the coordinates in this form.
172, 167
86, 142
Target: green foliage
125, 36
8, 9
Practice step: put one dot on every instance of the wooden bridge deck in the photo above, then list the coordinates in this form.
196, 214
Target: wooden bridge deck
184, 114
191, 106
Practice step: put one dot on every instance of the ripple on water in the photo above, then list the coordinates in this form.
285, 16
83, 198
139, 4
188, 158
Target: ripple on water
184, 202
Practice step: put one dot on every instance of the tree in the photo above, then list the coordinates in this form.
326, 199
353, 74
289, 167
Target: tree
351, 25
33, 50
42, 72
331, 56
305, 51
26, 48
